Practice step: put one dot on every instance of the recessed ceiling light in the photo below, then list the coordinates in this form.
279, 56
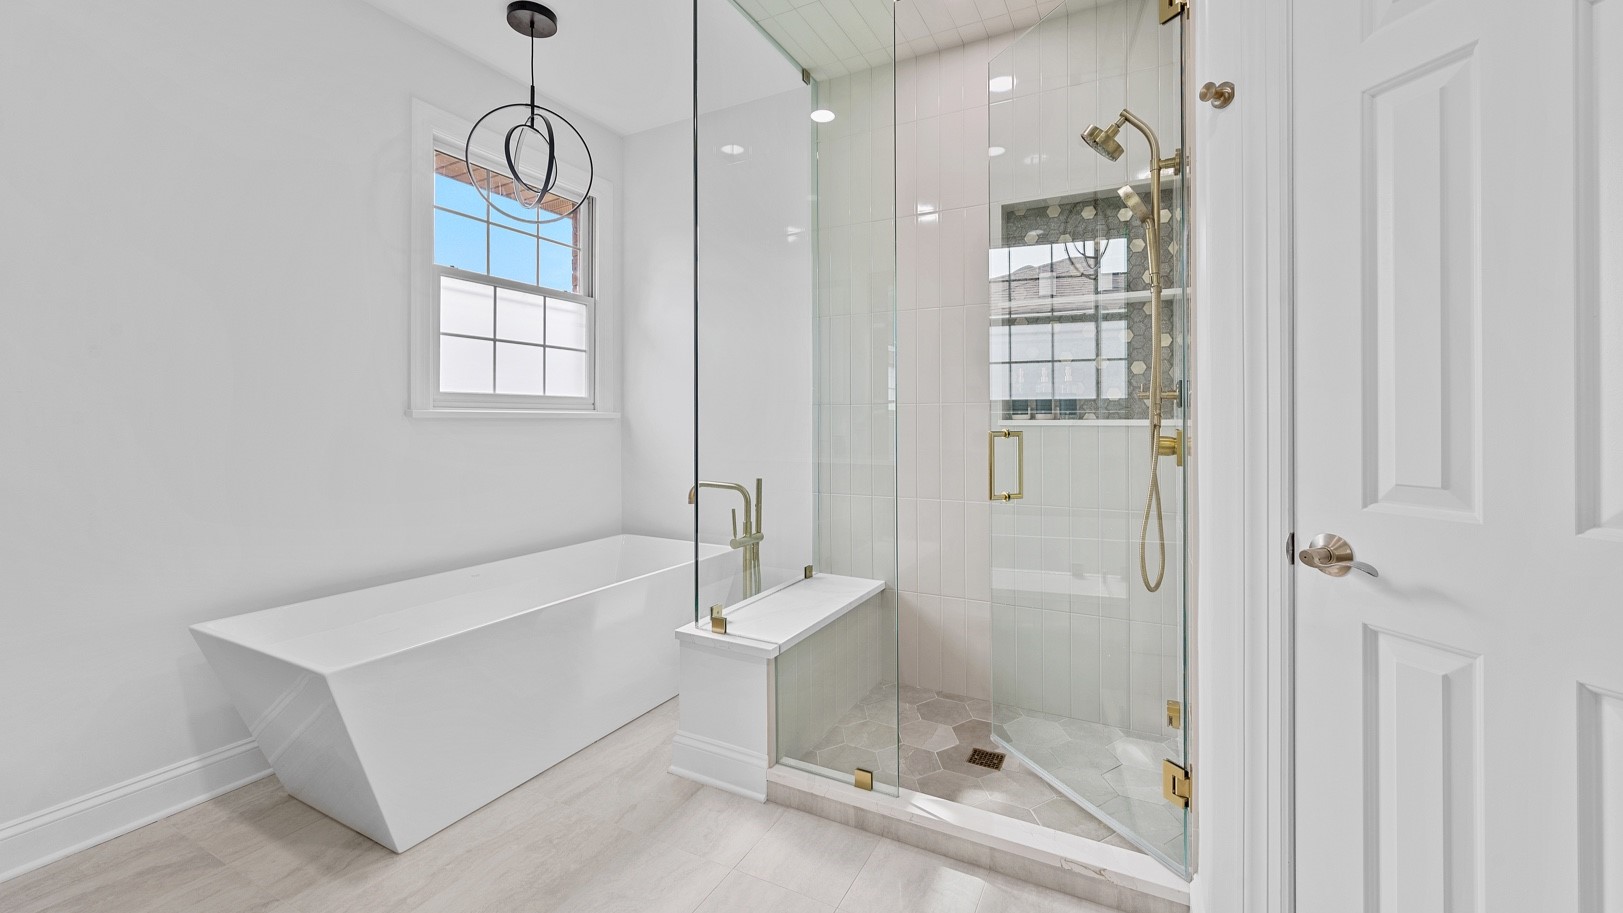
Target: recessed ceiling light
822, 115
1001, 83
995, 151
732, 149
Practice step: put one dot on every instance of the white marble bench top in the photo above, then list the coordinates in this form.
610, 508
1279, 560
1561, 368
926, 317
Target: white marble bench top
776, 620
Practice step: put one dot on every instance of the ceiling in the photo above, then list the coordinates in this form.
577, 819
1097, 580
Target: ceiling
835, 37
626, 64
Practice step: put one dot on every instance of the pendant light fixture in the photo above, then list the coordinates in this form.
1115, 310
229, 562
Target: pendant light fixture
530, 145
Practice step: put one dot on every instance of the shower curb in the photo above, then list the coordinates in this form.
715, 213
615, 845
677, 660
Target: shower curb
1120, 879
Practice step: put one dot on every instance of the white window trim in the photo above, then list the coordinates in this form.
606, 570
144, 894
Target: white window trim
433, 128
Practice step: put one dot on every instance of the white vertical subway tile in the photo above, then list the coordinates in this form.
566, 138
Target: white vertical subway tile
929, 542
1085, 667
906, 91
926, 467
908, 625
927, 89
1057, 663
907, 450
952, 350
951, 142
1005, 660
907, 154
1114, 673
977, 550
907, 544
951, 449
978, 650
950, 290
1028, 689
929, 641
1111, 47
952, 548
954, 675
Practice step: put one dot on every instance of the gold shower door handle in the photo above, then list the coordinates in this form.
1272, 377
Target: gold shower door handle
1333, 555
992, 494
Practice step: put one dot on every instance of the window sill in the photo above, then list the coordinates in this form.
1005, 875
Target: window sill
511, 413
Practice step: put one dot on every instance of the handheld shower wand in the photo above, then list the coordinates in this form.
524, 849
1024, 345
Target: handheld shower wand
1104, 141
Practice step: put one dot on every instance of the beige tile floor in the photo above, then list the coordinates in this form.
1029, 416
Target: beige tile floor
609, 829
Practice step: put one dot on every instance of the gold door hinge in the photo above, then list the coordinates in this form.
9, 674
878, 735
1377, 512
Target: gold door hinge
1172, 9
1174, 715
718, 624
1177, 784
862, 779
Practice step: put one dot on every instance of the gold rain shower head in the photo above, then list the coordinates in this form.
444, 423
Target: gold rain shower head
1103, 141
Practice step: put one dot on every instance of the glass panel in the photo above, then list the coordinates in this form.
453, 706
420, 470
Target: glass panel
558, 267
464, 307
520, 369
566, 372
521, 317
459, 195
466, 365
1087, 570
795, 325
512, 255
563, 230
459, 241
566, 323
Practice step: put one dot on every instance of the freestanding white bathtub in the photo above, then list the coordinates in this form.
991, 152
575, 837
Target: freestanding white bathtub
401, 708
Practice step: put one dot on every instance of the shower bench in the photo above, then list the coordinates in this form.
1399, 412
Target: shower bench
725, 735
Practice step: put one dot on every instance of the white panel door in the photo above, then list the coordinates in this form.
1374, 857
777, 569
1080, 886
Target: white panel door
1459, 389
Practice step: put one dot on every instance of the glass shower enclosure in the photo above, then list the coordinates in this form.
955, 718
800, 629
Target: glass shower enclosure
1088, 290
795, 418
866, 406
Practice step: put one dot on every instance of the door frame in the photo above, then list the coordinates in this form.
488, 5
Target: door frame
1242, 604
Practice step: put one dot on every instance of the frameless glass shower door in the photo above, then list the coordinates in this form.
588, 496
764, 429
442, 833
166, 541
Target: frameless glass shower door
1089, 288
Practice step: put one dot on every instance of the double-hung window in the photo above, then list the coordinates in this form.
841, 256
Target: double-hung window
512, 304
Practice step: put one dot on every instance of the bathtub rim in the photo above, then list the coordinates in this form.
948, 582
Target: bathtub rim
706, 552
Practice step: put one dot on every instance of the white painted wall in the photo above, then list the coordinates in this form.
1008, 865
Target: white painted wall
204, 256
657, 444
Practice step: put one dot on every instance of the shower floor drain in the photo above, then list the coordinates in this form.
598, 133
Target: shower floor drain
980, 757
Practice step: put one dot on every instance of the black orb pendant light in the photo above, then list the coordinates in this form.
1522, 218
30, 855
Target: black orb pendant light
534, 133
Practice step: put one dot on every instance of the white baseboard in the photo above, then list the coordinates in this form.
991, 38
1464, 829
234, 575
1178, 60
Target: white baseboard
713, 763
44, 837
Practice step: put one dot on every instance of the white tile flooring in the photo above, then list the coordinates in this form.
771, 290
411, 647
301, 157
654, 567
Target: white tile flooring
609, 829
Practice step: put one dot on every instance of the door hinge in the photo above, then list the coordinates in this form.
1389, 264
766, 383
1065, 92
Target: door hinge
1174, 715
1177, 784
1290, 549
1172, 9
